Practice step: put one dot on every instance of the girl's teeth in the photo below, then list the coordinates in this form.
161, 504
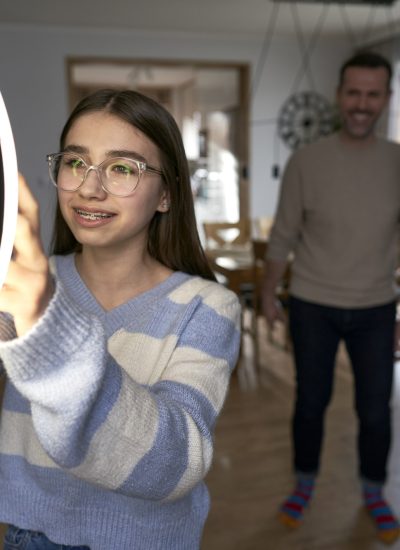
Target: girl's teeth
93, 216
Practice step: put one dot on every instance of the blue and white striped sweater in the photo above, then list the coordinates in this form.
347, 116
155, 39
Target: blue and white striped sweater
106, 428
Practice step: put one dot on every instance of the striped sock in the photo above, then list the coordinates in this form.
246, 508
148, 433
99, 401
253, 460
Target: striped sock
291, 512
387, 525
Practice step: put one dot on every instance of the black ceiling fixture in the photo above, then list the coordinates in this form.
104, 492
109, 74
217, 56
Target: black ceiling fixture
347, 2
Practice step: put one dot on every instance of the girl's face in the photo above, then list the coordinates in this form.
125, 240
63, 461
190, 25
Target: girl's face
96, 218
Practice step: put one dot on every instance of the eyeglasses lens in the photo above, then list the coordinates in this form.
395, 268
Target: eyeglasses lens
119, 176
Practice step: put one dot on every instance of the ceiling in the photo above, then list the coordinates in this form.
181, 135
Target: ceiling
239, 17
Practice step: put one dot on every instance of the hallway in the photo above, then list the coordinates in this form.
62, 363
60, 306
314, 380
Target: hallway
251, 473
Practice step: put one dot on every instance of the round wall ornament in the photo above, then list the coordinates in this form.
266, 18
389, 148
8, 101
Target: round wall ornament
304, 117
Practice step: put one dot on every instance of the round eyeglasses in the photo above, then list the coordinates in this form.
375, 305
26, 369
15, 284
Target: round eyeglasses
118, 176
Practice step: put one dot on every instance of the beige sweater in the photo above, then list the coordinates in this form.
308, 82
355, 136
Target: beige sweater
339, 212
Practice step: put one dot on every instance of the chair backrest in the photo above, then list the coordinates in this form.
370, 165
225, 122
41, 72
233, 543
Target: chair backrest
262, 227
219, 234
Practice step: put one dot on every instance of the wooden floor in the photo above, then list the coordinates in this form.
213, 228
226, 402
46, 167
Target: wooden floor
251, 473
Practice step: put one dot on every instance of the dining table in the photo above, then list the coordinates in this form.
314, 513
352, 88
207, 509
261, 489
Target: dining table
236, 265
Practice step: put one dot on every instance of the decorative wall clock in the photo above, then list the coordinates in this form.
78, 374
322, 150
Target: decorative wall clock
304, 117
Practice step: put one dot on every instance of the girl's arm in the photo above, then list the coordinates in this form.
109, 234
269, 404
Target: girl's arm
94, 420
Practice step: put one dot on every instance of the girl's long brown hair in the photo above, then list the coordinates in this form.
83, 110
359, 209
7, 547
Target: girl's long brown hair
173, 237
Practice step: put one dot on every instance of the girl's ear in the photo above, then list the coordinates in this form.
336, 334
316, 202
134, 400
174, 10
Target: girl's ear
164, 203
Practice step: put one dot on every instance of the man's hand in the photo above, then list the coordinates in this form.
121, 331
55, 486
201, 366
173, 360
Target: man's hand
396, 347
28, 287
271, 306
272, 309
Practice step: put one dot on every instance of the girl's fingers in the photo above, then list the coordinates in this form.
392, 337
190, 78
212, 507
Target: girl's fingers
27, 204
28, 249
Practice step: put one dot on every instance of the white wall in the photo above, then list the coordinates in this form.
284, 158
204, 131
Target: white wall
33, 84
277, 84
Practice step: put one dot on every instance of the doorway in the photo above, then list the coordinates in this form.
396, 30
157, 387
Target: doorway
209, 102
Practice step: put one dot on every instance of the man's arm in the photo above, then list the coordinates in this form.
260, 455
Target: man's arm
396, 346
283, 239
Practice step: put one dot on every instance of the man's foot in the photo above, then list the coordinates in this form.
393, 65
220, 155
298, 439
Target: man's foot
386, 523
291, 512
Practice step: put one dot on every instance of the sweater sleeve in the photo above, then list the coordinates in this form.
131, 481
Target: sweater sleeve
151, 441
7, 332
286, 229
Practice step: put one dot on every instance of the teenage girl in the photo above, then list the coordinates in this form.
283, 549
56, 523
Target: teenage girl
117, 351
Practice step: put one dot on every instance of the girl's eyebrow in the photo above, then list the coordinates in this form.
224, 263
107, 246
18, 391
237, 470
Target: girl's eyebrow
76, 149
126, 153
113, 153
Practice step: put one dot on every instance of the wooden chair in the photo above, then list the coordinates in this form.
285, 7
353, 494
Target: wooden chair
262, 227
221, 237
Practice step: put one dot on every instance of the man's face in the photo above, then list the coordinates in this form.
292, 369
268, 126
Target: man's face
361, 98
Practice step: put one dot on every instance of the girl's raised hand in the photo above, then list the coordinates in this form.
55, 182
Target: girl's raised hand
28, 287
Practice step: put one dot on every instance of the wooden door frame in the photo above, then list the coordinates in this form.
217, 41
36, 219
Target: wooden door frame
244, 84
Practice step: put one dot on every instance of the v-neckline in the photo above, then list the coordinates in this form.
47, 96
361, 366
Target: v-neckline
74, 284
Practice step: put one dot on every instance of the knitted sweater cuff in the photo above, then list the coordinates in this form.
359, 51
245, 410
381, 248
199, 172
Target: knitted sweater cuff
61, 330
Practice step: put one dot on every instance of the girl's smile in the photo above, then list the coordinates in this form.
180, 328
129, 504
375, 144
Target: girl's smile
88, 217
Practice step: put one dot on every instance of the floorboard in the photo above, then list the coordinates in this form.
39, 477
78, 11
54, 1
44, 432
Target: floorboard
252, 474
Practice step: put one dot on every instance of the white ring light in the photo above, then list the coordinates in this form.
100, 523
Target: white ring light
9, 184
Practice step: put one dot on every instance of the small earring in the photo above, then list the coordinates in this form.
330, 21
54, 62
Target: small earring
165, 205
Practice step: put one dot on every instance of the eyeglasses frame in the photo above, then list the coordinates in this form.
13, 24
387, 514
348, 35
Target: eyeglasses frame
142, 167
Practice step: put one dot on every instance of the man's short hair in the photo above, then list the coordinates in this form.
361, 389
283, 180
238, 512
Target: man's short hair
369, 60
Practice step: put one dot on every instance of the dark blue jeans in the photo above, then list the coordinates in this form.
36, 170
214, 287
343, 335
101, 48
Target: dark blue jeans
22, 539
368, 334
